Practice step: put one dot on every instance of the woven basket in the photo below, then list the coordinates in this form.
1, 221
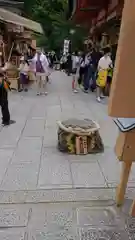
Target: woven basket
79, 136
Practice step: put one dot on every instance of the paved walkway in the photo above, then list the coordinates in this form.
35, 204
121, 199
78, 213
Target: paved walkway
59, 191
30, 162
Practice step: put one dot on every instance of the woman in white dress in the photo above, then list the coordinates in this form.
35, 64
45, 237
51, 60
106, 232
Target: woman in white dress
41, 66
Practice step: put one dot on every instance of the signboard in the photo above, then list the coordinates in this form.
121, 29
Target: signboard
14, 28
66, 46
27, 35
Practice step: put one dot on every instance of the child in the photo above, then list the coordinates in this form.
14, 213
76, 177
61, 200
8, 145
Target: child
24, 69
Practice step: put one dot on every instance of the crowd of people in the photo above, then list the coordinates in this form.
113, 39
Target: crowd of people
91, 70
38, 65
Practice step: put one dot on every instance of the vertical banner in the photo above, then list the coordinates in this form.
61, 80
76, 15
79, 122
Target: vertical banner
66, 46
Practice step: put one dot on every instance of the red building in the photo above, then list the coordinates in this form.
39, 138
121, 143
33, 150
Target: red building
102, 18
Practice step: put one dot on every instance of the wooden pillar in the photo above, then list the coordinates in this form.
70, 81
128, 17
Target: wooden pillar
126, 167
125, 152
122, 97
132, 210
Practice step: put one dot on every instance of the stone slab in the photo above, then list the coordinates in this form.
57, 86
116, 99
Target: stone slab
96, 217
95, 234
58, 234
13, 216
54, 172
34, 128
12, 235
9, 138
50, 137
5, 158
110, 165
52, 216
87, 175
22, 176
28, 150
38, 112
30, 143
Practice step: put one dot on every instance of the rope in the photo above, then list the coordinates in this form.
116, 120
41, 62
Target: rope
79, 131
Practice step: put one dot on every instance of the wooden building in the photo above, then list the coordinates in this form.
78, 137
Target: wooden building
16, 34
102, 18
16, 31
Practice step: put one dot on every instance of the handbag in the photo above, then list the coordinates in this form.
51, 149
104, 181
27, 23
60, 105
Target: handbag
102, 78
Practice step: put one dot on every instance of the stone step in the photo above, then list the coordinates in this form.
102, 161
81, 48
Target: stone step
62, 195
57, 195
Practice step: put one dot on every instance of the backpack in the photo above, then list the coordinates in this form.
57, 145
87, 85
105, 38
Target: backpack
5, 84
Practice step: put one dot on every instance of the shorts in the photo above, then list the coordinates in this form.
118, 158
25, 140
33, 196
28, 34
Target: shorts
23, 78
109, 79
41, 77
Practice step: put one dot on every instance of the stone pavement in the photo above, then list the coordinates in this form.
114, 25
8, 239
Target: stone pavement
67, 221
47, 195
31, 165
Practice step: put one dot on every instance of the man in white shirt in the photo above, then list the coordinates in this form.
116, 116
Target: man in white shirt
104, 64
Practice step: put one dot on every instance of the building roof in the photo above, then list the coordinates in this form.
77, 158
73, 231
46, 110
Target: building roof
84, 10
10, 3
10, 17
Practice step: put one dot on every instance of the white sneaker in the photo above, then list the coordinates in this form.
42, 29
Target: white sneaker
46, 93
102, 96
75, 91
98, 99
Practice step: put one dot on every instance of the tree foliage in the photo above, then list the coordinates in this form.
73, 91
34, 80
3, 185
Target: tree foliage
52, 14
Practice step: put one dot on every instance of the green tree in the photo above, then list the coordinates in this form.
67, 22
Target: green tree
52, 14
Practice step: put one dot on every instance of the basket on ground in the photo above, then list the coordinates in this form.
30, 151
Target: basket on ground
77, 136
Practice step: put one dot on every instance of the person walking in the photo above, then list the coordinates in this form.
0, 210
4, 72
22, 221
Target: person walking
42, 71
81, 70
63, 61
87, 72
69, 64
4, 87
75, 70
95, 57
105, 63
